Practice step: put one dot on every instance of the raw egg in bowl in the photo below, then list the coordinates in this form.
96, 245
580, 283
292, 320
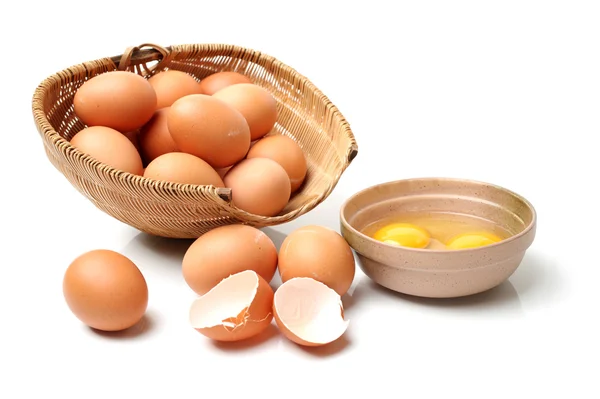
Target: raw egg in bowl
438, 237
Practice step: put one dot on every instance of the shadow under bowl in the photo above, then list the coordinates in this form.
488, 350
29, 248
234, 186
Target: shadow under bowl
439, 273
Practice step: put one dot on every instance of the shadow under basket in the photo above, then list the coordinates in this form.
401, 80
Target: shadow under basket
181, 210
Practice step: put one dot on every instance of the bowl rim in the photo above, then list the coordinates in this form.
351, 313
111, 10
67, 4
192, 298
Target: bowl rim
530, 226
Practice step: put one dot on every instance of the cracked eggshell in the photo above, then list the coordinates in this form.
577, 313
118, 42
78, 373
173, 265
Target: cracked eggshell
238, 308
308, 312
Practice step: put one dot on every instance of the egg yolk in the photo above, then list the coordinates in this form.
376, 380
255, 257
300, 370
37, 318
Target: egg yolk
404, 234
473, 240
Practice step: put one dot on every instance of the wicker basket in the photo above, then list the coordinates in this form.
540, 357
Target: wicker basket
188, 211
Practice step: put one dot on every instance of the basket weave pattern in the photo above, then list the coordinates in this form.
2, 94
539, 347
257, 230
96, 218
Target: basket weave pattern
181, 210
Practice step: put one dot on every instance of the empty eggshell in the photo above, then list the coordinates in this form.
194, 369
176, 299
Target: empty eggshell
308, 312
217, 81
256, 104
239, 307
171, 85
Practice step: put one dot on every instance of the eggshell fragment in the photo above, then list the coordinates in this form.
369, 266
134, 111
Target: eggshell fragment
308, 312
239, 307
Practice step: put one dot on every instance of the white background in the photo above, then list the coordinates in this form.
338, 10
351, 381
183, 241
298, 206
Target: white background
500, 91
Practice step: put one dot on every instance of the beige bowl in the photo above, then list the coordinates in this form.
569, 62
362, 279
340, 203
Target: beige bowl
439, 273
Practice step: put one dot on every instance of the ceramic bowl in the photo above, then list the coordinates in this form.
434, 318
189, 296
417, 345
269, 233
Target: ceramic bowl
439, 273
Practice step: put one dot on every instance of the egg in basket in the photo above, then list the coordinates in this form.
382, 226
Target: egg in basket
179, 140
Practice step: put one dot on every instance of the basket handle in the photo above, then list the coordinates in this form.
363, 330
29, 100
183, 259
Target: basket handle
224, 194
352, 153
138, 57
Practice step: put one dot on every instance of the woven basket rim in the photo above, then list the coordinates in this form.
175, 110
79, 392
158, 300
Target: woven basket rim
221, 194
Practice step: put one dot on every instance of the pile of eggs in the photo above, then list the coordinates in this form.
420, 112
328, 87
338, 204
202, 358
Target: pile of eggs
216, 131
230, 268
174, 128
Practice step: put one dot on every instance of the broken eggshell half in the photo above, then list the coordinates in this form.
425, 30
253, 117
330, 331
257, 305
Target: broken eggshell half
237, 308
308, 312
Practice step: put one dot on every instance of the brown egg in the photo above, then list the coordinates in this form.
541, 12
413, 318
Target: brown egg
223, 171
217, 81
228, 250
179, 167
110, 147
210, 129
133, 136
318, 253
121, 100
259, 186
105, 290
154, 137
286, 152
171, 85
256, 104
